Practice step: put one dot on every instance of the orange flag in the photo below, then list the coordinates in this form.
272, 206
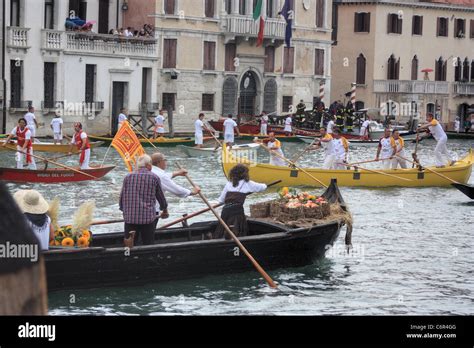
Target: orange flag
128, 146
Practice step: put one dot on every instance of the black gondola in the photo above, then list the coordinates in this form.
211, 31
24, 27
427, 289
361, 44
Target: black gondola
180, 253
468, 190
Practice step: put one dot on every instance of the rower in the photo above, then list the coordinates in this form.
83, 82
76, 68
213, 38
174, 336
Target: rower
233, 195
441, 138
341, 149
275, 146
122, 117
229, 126
365, 128
159, 125
386, 149
159, 165
264, 123
400, 151
198, 131
24, 144
81, 140
288, 122
326, 142
330, 125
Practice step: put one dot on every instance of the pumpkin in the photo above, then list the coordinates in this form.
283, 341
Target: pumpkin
67, 242
83, 242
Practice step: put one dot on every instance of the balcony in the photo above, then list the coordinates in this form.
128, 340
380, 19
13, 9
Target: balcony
20, 105
51, 105
245, 26
463, 88
149, 107
412, 87
85, 43
17, 38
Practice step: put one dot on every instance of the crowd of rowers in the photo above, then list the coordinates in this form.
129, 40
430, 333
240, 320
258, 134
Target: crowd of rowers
390, 150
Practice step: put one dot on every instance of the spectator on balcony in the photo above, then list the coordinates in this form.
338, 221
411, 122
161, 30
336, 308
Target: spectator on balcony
128, 32
113, 32
149, 30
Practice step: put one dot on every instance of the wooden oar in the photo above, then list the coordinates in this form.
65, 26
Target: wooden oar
382, 173
213, 135
414, 155
149, 141
296, 158
439, 174
355, 164
58, 164
259, 268
292, 164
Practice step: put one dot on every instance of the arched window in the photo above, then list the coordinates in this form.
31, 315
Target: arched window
360, 72
458, 70
440, 69
414, 68
393, 68
270, 96
465, 70
229, 97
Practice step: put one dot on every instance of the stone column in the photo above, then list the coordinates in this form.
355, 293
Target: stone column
235, 7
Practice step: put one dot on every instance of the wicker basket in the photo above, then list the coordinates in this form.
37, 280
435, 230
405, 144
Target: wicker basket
326, 209
260, 210
296, 214
275, 208
313, 213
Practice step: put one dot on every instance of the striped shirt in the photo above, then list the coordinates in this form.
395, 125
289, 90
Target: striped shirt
140, 192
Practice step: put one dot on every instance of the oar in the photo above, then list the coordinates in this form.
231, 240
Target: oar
382, 173
213, 135
293, 164
58, 164
264, 274
355, 164
177, 221
414, 155
131, 125
295, 158
439, 174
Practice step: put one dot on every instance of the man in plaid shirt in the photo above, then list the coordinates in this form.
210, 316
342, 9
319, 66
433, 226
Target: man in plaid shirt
140, 192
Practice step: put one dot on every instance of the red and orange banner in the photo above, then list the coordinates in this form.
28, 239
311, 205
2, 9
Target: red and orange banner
128, 146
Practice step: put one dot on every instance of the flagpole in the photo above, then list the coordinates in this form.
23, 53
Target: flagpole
106, 153
143, 136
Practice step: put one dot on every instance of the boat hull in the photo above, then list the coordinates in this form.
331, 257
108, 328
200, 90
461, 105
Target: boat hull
159, 142
102, 266
460, 172
50, 147
210, 152
52, 176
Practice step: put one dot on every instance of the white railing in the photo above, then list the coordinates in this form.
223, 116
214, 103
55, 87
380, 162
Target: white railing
408, 86
245, 25
463, 88
17, 37
98, 44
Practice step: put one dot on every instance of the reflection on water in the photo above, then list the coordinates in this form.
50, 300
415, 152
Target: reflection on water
412, 250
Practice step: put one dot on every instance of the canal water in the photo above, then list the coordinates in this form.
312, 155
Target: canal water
412, 250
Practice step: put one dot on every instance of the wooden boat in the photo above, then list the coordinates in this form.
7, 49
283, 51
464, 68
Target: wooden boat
51, 147
158, 142
210, 151
281, 137
460, 135
459, 172
52, 176
180, 253
466, 189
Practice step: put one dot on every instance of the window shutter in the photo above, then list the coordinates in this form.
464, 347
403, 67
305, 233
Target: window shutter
421, 25
456, 27
472, 29
437, 26
389, 23
356, 22
367, 22
209, 10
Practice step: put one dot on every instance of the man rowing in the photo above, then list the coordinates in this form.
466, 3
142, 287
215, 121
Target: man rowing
341, 149
24, 144
159, 165
386, 149
400, 151
274, 146
81, 141
326, 142
441, 138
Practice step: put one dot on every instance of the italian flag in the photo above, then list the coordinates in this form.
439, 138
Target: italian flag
257, 14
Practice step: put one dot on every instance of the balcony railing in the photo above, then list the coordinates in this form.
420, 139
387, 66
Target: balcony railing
463, 88
98, 44
17, 37
407, 86
96, 106
149, 107
246, 26
51, 104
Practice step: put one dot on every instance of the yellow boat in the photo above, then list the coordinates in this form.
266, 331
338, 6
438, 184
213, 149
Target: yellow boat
50, 147
460, 172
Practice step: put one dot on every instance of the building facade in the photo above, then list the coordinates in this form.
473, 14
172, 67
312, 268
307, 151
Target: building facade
418, 54
210, 62
85, 75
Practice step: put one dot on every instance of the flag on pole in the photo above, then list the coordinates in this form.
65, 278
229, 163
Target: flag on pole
257, 15
287, 13
128, 146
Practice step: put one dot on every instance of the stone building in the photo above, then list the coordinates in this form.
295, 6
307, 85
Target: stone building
384, 46
88, 76
209, 60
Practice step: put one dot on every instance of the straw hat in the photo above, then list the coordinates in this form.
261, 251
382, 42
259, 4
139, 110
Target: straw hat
31, 201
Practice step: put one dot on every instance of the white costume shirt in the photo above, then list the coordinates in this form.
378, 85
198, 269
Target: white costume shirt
243, 187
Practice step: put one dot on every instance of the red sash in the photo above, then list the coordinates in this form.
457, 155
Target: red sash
79, 142
21, 139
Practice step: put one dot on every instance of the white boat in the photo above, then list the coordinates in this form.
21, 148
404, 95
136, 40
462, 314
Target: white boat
210, 152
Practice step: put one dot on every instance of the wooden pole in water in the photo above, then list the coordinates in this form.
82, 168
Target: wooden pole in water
264, 274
